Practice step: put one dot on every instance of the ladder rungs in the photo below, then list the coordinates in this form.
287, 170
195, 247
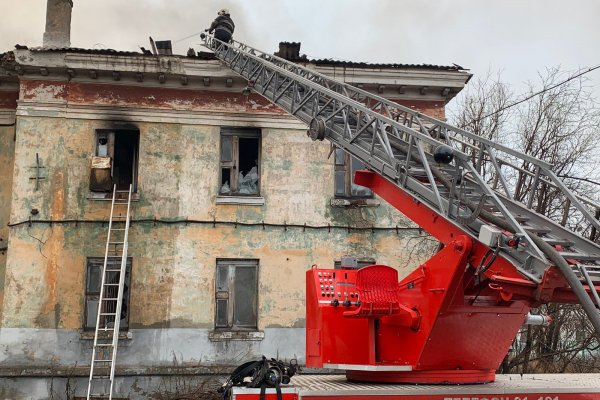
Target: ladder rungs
103, 361
111, 314
111, 284
558, 242
519, 218
104, 345
592, 270
536, 230
580, 256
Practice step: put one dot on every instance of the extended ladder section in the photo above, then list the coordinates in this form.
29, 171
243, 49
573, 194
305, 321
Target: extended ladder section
473, 188
112, 285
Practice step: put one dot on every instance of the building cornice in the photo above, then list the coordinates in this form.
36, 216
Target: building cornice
194, 73
153, 115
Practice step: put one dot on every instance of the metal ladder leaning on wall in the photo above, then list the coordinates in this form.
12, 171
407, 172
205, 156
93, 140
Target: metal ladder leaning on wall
398, 143
108, 318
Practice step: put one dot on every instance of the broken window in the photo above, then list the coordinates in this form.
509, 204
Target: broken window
115, 161
92, 292
345, 167
236, 298
240, 162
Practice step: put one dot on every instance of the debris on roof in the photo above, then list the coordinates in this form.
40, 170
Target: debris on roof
354, 64
287, 50
9, 56
291, 52
84, 51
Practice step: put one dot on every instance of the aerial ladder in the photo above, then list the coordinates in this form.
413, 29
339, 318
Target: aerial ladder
454, 318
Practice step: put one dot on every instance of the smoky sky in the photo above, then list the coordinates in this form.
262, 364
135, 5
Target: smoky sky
519, 38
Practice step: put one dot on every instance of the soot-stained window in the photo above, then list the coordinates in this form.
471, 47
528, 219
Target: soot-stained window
115, 161
240, 162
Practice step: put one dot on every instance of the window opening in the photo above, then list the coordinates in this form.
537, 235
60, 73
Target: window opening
236, 298
345, 167
92, 292
115, 161
240, 162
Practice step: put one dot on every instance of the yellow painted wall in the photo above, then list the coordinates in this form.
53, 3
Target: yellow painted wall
174, 264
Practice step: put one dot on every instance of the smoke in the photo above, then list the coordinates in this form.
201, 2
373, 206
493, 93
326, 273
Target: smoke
517, 37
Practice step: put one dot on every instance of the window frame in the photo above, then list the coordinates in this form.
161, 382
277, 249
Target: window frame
229, 294
111, 136
345, 166
233, 164
98, 262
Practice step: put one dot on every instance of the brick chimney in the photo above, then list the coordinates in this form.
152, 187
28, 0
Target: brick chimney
58, 23
289, 51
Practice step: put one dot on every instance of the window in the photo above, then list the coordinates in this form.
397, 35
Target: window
115, 161
236, 294
345, 167
240, 162
92, 292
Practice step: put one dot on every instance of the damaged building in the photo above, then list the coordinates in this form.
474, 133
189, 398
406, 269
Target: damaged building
232, 203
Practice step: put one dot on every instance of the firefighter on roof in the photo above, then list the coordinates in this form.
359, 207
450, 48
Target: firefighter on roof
223, 26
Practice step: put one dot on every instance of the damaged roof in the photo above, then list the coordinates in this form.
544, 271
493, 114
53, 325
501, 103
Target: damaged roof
292, 55
291, 52
81, 50
353, 64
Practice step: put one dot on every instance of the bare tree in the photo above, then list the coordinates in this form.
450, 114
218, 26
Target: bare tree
482, 110
560, 125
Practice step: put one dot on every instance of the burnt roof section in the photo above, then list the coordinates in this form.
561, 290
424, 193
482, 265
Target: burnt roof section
84, 51
287, 50
291, 52
203, 55
9, 56
353, 64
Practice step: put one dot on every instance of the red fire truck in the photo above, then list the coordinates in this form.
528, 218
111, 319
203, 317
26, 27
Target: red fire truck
442, 331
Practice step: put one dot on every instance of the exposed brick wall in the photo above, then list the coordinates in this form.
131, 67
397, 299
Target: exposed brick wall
145, 97
172, 98
435, 109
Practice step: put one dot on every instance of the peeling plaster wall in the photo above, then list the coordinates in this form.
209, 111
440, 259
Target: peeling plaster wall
173, 268
178, 178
